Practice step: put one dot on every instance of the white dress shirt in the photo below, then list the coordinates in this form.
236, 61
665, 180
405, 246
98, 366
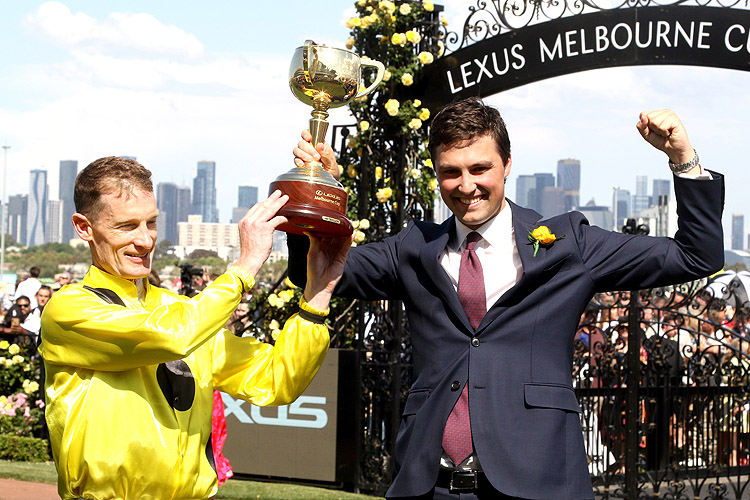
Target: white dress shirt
501, 264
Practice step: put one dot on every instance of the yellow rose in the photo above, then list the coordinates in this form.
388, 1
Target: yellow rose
351, 171
413, 36
383, 194
424, 114
14, 349
405, 9
432, 184
414, 173
391, 106
4, 344
274, 325
362, 3
387, 75
378, 173
444, 21
286, 295
364, 224
428, 163
359, 236
353, 22
398, 39
16, 360
415, 123
428, 6
426, 57
407, 79
416, 103
275, 301
350, 43
543, 235
364, 125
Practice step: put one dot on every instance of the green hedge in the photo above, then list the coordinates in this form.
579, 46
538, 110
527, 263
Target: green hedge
23, 449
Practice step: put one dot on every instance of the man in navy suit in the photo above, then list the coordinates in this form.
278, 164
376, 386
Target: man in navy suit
503, 375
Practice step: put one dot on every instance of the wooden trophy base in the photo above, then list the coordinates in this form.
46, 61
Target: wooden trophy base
313, 207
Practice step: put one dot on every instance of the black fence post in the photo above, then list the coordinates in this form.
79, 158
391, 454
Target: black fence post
632, 396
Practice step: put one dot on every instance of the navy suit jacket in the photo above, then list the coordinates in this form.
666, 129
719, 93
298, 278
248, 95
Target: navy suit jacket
524, 413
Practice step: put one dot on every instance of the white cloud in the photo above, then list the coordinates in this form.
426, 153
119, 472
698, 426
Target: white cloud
140, 32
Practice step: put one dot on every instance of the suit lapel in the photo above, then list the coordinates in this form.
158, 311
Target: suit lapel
429, 256
524, 220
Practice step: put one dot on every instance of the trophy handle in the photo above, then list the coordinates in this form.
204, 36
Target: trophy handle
378, 77
308, 52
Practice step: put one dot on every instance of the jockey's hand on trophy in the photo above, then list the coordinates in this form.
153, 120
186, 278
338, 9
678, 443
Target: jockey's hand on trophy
305, 152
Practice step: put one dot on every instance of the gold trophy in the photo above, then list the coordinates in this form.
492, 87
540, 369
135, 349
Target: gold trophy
321, 77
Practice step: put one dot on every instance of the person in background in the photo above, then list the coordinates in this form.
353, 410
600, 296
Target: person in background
30, 286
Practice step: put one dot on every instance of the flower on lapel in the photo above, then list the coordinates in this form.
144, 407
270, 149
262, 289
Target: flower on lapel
542, 236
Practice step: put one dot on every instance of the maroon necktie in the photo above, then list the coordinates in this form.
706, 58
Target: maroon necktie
457, 434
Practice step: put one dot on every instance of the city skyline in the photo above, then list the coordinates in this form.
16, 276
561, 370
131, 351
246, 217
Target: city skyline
173, 83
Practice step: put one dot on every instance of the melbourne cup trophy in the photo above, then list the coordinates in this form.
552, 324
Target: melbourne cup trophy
321, 77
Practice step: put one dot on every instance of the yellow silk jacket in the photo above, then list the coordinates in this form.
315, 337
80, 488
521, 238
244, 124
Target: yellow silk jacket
129, 386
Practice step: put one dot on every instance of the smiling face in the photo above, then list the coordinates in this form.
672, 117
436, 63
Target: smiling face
122, 234
471, 177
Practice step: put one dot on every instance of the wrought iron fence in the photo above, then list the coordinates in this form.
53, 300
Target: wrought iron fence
681, 432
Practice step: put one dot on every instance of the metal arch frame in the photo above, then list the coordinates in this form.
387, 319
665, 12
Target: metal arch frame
495, 17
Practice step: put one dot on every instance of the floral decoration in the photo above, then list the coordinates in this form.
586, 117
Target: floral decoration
541, 236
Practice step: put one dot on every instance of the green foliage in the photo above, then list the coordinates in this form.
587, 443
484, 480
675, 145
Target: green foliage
49, 258
23, 449
386, 168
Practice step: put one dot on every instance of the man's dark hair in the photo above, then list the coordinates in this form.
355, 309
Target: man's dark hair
23, 297
465, 121
112, 174
34, 272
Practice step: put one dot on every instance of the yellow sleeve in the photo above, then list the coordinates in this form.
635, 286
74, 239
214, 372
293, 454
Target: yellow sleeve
267, 375
79, 329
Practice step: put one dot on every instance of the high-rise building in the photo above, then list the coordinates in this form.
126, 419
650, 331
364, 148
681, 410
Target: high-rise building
641, 200
525, 186
166, 202
68, 173
597, 215
620, 207
17, 212
553, 201
569, 178
183, 203
738, 231
204, 192
37, 207
662, 187
53, 226
247, 196
542, 181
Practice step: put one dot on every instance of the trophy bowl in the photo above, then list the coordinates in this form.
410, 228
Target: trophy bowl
321, 77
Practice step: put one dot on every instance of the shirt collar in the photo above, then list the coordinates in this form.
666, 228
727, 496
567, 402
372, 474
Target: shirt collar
495, 231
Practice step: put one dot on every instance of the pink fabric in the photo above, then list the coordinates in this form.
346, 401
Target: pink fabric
218, 437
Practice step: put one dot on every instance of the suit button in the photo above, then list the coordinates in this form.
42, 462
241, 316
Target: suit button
456, 385
475, 342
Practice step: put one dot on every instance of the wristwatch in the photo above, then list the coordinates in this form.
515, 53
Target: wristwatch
679, 168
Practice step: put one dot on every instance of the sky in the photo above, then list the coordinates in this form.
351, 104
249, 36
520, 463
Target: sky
176, 82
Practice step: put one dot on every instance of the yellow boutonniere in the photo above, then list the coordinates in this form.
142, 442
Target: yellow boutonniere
542, 236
